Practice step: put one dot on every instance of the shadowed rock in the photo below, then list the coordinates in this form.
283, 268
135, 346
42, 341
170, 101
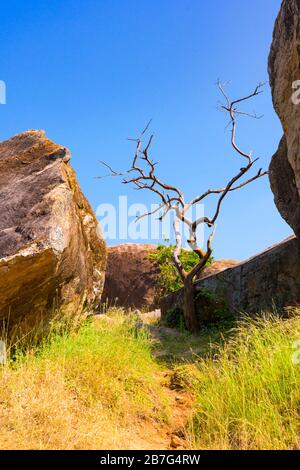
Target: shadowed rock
267, 281
52, 253
217, 267
131, 278
282, 179
284, 70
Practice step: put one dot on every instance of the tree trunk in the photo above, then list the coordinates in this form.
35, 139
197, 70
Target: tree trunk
189, 309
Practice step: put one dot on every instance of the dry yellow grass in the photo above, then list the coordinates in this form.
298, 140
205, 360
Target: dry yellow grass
100, 387
248, 391
88, 389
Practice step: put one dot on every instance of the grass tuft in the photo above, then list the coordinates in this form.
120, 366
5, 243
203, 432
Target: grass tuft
109, 382
248, 391
81, 389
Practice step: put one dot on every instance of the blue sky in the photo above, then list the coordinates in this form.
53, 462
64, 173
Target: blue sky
92, 72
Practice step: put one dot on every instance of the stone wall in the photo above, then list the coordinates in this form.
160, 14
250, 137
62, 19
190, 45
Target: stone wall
270, 279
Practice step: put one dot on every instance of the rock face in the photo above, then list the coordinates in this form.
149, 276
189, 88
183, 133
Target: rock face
52, 254
270, 279
217, 267
131, 279
284, 71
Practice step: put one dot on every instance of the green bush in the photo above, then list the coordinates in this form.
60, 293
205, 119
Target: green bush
169, 278
211, 307
174, 318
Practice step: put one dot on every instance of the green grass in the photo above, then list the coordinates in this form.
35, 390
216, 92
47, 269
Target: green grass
82, 389
103, 385
247, 393
173, 346
169, 279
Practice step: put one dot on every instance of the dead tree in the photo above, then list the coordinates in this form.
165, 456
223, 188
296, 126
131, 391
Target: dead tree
142, 174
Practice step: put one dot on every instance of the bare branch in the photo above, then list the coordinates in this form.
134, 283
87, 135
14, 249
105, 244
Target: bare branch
146, 128
218, 191
205, 258
227, 189
142, 133
142, 175
230, 108
163, 215
177, 250
251, 115
112, 172
221, 85
149, 213
257, 91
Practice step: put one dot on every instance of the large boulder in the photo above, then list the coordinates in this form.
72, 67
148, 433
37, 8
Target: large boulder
131, 279
284, 70
52, 253
217, 267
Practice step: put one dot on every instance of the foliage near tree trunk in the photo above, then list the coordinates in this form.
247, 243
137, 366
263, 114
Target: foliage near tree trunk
169, 278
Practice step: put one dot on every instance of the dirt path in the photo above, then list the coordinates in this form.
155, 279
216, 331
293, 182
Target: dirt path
155, 436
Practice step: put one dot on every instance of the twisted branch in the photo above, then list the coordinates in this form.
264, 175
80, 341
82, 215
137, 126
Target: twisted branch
172, 197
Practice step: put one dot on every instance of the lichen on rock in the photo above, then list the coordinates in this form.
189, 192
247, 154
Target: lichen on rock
52, 253
284, 71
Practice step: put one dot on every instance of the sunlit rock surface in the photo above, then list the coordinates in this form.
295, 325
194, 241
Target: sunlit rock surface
52, 253
284, 72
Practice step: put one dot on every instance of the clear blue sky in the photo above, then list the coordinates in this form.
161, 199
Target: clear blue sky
92, 72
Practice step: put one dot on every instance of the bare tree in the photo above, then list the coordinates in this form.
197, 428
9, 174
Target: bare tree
142, 175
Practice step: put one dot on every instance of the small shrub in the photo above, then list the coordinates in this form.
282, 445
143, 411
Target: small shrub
174, 318
211, 307
169, 278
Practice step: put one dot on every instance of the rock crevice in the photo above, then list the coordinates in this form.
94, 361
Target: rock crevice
284, 71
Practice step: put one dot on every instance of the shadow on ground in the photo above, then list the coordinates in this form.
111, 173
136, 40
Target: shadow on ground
177, 346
